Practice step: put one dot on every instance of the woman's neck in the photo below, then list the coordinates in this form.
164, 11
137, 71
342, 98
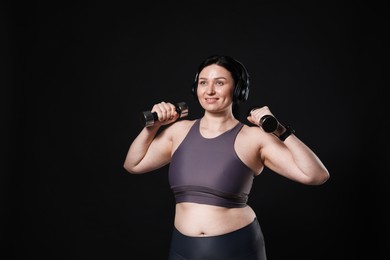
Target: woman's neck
217, 123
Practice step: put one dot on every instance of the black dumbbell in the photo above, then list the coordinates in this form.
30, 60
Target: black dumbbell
148, 118
268, 122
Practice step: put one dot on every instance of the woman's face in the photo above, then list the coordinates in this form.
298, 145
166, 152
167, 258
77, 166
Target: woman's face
215, 88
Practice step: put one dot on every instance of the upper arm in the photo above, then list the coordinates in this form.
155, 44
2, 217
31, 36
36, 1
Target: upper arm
268, 151
158, 153
279, 159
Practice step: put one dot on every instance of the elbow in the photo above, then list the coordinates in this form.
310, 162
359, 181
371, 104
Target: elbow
320, 178
129, 169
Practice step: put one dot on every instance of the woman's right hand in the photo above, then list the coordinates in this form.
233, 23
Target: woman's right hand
166, 113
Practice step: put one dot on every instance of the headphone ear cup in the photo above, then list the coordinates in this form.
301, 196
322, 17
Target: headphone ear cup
240, 92
245, 93
194, 88
237, 90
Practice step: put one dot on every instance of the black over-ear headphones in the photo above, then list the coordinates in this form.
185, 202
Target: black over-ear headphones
241, 91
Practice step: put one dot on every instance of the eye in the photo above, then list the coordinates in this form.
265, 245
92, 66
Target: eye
202, 82
220, 83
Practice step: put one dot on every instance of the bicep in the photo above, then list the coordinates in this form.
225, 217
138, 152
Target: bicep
158, 153
279, 159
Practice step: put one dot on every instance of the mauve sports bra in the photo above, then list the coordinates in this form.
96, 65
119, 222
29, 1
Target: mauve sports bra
208, 170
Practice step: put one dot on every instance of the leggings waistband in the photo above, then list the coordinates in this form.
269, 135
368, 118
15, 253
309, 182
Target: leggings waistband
245, 243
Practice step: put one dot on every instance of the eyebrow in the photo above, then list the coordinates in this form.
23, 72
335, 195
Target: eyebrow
215, 78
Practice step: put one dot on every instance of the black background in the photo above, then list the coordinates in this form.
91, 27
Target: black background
74, 78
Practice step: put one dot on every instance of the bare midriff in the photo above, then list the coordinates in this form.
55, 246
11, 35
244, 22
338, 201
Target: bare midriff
197, 220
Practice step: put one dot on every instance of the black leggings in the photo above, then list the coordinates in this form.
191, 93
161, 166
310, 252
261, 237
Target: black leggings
246, 243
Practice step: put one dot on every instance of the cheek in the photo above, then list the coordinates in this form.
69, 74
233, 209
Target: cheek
229, 92
198, 91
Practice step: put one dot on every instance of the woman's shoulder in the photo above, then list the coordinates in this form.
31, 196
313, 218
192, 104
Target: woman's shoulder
179, 130
184, 123
251, 129
181, 126
254, 132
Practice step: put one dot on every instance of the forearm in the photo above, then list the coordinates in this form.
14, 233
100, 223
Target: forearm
307, 161
139, 148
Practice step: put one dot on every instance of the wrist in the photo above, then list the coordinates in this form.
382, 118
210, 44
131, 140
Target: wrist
283, 132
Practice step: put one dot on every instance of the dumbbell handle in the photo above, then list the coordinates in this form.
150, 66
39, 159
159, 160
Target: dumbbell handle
148, 118
269, 123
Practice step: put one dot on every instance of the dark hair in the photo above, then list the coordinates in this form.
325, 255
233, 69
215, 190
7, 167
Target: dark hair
239, 73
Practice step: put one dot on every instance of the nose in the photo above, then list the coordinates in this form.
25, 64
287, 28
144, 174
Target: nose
210, 89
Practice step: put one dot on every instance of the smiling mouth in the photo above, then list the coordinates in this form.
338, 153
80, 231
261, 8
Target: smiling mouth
211, 100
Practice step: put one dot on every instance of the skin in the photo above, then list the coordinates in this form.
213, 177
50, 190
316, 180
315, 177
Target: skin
256, 148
